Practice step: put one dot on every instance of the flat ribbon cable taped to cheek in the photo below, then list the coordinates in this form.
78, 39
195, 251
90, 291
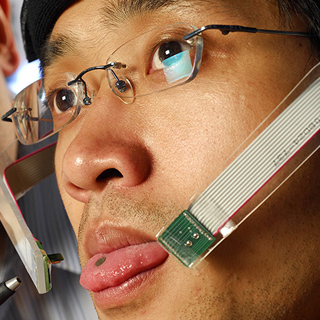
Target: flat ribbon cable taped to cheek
278, 147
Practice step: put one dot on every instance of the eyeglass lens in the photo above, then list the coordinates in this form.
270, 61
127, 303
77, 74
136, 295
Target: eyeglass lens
158, 59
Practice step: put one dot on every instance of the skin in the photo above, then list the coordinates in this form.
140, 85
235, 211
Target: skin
168, 149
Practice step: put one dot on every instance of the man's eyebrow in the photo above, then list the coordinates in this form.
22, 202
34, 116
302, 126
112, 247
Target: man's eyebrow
56, 47
114, 12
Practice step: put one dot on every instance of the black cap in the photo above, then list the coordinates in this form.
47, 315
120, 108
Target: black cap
38, 18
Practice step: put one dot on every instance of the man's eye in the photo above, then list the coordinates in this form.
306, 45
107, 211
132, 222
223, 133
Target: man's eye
174, 59
63, 100
167, 50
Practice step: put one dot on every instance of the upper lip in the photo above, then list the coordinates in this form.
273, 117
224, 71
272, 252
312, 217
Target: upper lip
106, 238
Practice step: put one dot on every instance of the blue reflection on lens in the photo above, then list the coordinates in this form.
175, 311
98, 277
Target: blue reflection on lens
177, 67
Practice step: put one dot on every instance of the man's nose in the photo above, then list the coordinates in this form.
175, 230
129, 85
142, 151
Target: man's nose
106, 153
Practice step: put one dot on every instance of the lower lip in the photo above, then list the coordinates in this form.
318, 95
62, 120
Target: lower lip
127, 291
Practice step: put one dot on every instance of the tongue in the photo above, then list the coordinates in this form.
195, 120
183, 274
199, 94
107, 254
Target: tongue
108, 270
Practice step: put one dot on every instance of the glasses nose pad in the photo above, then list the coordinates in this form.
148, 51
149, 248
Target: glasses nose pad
121, 87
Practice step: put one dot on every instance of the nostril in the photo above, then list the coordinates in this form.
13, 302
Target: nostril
109, 174
92, 168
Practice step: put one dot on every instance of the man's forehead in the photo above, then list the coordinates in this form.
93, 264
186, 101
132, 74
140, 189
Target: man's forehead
38, 17
114, 15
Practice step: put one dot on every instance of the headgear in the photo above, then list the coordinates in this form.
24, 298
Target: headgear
38, 18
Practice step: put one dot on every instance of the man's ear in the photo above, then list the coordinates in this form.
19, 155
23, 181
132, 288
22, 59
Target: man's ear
9, 57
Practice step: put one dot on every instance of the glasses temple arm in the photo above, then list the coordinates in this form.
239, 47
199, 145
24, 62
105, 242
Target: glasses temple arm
226, 29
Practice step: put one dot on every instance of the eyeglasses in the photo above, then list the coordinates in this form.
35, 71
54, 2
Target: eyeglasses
154, 61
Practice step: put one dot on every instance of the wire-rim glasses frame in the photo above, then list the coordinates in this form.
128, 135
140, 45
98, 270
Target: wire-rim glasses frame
123, 87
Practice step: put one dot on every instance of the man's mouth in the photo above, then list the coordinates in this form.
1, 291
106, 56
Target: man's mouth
103, 271
113, 276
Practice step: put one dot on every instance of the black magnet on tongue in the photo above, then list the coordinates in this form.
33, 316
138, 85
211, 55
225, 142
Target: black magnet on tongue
100, 261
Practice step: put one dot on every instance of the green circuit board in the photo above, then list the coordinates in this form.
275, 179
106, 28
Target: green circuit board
186, 238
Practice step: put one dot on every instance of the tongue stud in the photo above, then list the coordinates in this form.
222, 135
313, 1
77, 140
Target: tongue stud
100, 261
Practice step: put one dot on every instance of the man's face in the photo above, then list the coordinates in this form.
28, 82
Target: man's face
125, 171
